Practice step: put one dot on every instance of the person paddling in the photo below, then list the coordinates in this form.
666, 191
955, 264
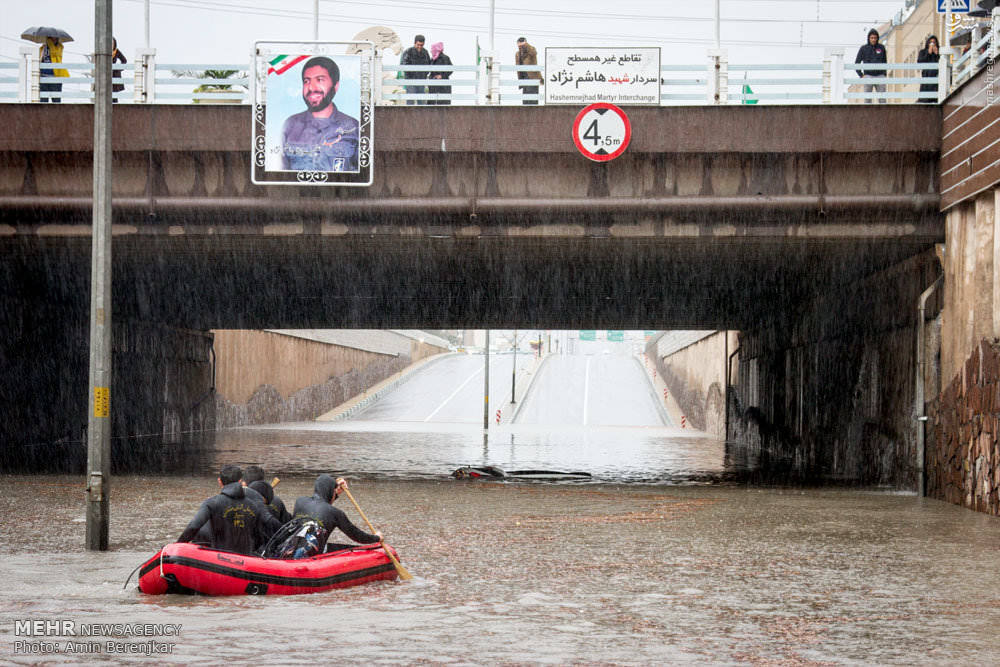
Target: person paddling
319, 508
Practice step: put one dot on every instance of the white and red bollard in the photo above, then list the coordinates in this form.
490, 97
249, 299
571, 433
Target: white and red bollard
498, 417
664, 394
683, 421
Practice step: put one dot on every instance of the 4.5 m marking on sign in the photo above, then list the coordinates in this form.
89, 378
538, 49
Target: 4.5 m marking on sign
602, 131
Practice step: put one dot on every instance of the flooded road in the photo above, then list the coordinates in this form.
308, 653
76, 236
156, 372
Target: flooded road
647, 564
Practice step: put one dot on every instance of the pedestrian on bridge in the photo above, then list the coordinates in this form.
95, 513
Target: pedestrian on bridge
872, 52
929, 54
439, 58
415, 55
527, 55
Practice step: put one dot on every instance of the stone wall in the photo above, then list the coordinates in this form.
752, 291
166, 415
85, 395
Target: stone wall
963, 450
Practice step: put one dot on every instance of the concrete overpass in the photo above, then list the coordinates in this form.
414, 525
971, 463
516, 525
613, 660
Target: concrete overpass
797, 225
715, 216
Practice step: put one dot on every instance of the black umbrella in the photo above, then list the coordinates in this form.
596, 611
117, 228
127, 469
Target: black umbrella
39, 33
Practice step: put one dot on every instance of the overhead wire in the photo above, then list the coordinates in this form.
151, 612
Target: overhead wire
260, 10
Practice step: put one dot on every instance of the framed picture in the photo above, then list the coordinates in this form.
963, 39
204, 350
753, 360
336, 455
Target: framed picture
313, 115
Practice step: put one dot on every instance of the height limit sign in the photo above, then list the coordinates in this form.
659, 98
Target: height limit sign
601, 132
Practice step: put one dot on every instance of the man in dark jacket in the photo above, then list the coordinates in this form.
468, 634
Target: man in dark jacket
929, 54
415, 55
320, 509
238, 523
872, 52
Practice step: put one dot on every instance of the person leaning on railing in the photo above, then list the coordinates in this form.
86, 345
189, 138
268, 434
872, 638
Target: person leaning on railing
872, 52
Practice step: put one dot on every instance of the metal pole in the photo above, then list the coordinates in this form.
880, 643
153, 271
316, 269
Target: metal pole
486, 386
493, 45
99, 405
513, 371
145, 16
315, 20
718, 33
947, 26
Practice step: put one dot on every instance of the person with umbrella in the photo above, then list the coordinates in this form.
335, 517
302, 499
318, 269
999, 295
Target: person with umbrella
50, 51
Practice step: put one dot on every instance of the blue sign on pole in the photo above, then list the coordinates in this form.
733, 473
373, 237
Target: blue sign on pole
957, 6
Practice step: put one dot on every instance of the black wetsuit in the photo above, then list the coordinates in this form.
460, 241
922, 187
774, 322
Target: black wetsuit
319, 509
272, 501
238, 522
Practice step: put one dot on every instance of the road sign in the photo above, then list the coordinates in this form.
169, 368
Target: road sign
601, 132
957, 6
616, 336
588, 334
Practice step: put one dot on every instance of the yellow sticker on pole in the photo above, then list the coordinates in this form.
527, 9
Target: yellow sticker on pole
102, 401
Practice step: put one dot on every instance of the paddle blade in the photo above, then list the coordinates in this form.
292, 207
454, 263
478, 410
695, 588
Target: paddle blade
400, 570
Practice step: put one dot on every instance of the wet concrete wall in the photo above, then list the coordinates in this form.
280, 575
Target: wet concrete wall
963, 436
696, 377
266, 377
162, 406
972, 284
826, 390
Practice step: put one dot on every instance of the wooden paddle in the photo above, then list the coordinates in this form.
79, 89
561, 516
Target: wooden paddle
403, 574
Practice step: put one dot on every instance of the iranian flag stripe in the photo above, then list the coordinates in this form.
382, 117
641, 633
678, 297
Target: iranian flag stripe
281, 64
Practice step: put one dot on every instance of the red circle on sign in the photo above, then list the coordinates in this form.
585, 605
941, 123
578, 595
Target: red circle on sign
607, 107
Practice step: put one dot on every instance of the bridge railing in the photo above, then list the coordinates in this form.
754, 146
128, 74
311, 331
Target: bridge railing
833, 81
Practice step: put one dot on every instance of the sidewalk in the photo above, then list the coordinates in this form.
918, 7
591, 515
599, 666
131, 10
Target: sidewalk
521, 388
673, 409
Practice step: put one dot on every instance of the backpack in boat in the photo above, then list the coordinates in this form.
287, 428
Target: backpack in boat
299, 538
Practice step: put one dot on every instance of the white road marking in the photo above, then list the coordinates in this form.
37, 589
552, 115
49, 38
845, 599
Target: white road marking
452, 395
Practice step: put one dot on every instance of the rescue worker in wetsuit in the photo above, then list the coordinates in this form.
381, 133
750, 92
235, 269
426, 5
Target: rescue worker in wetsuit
238, 523
272, 501
252, 474
319, 508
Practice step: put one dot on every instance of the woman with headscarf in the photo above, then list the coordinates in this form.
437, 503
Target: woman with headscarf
438, 57
929, 54
51, 52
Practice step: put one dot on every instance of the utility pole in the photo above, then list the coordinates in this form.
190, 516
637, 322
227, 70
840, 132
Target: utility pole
513, 371
486, 386
99, 404
315, 20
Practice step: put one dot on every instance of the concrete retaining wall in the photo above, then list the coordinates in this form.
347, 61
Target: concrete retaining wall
275, 376
827, 391
695, 374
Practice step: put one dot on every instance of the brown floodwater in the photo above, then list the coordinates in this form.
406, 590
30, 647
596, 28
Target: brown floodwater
611, 572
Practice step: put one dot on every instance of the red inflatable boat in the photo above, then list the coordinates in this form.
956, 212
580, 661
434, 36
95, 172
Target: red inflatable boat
189, 568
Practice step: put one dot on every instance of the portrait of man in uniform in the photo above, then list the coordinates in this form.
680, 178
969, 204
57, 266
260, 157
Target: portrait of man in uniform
321, 138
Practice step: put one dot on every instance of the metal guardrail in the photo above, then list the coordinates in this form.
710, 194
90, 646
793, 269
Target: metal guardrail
714, 81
